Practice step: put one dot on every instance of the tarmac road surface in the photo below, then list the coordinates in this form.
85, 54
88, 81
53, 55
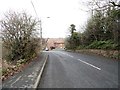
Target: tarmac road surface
74, 70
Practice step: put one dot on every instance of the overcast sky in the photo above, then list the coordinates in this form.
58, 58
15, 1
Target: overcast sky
62, 13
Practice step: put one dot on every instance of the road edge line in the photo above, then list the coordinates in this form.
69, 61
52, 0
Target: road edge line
40, 74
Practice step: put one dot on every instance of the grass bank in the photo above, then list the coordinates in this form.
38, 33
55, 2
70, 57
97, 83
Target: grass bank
114, 54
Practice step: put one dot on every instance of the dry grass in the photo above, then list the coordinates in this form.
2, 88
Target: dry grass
4, 64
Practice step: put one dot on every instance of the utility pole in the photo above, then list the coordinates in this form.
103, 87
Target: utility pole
40, 24
41, 33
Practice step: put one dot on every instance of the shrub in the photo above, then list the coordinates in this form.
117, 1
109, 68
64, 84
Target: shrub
80, 47
109, 44
4, 71
19, 34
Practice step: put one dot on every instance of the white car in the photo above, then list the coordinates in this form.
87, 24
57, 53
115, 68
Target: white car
46, 49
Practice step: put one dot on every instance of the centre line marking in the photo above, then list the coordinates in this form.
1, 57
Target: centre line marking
67, 54
89, 64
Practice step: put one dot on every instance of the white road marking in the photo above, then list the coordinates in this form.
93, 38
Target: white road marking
16, 81
9, 81
67, 54
71, 56
83, 61
89, 64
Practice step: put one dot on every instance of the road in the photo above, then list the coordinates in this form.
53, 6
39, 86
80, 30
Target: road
74, 70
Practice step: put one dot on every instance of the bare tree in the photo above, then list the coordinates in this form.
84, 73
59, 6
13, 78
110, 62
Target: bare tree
18, 33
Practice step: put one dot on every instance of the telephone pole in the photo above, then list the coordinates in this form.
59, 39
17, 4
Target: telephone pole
40, 24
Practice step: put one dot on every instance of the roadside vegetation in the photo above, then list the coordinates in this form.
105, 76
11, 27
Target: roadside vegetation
20, 41
101, 31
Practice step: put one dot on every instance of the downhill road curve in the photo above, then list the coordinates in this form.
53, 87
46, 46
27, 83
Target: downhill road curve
74, 70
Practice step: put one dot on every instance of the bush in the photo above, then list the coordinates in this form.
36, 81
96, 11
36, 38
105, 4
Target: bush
19, 34
4, 71
109, 44
80, 47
